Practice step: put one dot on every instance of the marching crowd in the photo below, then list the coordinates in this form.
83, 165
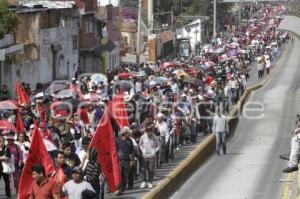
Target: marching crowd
168, 104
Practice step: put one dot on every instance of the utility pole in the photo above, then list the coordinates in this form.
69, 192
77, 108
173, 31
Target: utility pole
138, 42
1, 66
215, 21
150, 14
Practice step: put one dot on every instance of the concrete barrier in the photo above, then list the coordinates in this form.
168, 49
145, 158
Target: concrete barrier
186, 168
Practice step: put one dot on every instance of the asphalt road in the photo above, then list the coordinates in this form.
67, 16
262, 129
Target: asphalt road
252, 169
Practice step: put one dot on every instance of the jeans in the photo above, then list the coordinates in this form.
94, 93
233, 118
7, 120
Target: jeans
7, 184
124, 174
148, 169
220, 141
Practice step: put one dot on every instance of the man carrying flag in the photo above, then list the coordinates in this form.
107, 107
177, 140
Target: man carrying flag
37, 155
43, 187
104, 143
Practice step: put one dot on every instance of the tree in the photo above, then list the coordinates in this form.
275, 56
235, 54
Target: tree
8, 20
294, 8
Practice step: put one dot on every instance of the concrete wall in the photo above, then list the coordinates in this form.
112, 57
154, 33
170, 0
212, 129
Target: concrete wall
42, 69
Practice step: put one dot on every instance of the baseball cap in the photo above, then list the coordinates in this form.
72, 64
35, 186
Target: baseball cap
77, 170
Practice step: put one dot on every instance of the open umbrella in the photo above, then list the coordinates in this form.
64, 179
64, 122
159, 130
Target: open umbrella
180, 73
167, 64
66, 93
91, 96
219, 50
99, 77
138, 74
201, 67
209, 64
56, 86
8, 105
193, 81
192, 70
4, 124
123, 75
156, 81
67, 104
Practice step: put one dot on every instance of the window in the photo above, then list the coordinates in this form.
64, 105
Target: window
75, 42
89, 24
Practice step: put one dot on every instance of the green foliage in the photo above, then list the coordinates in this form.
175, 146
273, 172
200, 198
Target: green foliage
294, 8
8, 20
130, 3
192, 8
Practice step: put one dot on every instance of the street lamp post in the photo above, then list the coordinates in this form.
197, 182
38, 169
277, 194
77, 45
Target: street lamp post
138, 42
215, 21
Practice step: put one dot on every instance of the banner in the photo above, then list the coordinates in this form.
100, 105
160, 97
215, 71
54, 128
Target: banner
22, 95
104, 143
117, 109
37, 155
19, 125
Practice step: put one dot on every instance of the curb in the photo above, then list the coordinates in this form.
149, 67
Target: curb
166, 187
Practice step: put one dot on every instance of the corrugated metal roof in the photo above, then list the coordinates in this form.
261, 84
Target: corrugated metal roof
50, 4
290, 24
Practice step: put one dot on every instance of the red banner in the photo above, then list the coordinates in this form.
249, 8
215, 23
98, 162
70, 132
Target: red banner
117, 109
37, 155
19, 125
59, 178
104, 142
21, 94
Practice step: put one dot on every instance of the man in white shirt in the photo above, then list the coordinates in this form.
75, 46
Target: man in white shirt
164, 136
74, 188
220, 129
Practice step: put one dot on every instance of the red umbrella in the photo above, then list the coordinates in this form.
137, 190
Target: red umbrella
191, 71
7, 125
123, 75
8, 105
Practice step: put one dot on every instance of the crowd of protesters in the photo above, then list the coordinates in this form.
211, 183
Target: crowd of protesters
168, 105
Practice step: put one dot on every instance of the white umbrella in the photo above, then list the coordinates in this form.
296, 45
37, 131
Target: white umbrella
99, 77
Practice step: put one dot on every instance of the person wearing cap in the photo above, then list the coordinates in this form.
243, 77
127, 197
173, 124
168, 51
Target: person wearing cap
43, 187
149, 145
16, 151
74, 188
125, 152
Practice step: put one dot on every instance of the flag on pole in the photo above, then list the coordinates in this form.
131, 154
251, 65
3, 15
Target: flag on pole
21, 94
20, 125
37, 155
117, 109
104, 143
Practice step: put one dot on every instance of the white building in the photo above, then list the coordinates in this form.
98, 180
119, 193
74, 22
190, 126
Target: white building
195, 31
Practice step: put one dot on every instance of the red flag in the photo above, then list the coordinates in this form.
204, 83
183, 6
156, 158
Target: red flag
19, 125
104, 143
83, 115
59, 178
22, 95
117, 109
37, 155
